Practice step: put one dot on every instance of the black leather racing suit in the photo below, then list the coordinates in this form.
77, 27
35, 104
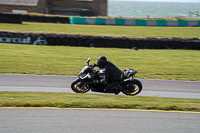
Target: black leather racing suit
112, 76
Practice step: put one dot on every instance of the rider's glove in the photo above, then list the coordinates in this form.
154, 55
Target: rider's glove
94, 64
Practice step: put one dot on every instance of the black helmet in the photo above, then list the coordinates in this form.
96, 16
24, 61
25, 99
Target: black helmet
101, 61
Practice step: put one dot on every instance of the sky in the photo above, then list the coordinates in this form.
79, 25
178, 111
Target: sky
163, 0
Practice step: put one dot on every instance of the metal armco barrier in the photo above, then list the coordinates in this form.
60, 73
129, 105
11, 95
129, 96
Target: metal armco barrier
132, 22
99, 41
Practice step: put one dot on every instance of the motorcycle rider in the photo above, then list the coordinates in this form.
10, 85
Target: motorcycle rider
112, 75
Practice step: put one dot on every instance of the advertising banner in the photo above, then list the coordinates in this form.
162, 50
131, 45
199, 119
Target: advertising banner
22, 39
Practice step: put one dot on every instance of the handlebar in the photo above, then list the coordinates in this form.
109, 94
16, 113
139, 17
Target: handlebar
92, 66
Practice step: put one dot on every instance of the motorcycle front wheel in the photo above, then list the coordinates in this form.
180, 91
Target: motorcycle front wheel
132, 87
79, 87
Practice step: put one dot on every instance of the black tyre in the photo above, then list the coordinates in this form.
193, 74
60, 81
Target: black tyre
79, 87
132, 87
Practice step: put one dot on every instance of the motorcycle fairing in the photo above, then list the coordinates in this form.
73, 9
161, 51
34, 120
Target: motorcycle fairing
100, 72
129, 73
86, 75
86, 69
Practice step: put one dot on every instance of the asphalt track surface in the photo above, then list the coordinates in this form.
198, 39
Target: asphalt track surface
51, 120
52, 83
40, 120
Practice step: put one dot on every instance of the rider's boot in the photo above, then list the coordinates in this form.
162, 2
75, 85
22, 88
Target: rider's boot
118, 90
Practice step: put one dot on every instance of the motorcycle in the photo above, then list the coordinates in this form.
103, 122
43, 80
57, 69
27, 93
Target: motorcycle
83, 84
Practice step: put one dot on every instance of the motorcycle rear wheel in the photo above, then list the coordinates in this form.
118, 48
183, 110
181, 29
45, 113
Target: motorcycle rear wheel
132, 87
79, 87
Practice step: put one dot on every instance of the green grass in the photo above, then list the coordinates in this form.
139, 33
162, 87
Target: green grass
139, 31
65, 60
67, 100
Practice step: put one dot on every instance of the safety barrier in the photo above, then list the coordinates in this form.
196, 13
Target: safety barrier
10, 18
45, 19
99, 41
132, 22
18, 18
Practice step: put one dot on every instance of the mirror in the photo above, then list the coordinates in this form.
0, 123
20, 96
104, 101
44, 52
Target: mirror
88, 60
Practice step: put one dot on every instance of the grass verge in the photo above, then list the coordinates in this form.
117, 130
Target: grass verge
140, 31
68, 100
64, 60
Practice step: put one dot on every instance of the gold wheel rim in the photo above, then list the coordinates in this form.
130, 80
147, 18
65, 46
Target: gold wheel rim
134, 92
83, 89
